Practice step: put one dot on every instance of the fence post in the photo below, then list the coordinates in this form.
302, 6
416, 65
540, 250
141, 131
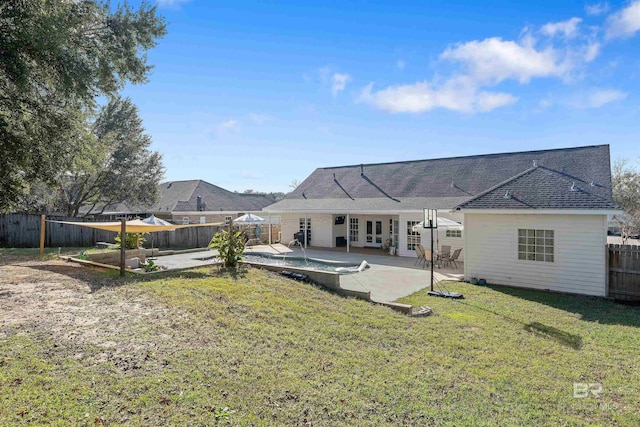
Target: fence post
42, 225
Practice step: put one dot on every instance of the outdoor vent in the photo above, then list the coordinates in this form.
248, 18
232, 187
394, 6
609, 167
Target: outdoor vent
593, 184
573, 186
535, 163
507, 195
170, 184
304, 195
361, 170
452, 184
334, 176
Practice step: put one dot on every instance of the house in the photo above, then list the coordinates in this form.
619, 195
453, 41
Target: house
193, 202
535, 219
197, 201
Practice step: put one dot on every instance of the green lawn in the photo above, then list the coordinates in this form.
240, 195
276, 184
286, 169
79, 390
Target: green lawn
276, 352
29, 254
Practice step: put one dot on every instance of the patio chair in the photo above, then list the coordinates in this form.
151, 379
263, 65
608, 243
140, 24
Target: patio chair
445, 251
452, 258
420, 255
427, 257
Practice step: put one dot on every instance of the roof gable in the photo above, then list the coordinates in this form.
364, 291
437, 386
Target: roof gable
540, 188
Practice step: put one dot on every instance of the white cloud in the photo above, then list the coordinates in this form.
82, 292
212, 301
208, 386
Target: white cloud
544, 104
624, 23
597, 9
229, 126
171, 3
339, 82
494, 60
568, 28
400, 64
605, 96
591, 51
258, 118
457, 94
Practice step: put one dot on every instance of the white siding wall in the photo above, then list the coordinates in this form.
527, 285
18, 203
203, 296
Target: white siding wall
321, 228
491, 252
290, 224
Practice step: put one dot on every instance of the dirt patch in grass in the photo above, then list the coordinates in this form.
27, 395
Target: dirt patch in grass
83, 308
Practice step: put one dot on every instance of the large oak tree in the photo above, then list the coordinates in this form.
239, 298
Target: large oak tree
56, 58
113, 163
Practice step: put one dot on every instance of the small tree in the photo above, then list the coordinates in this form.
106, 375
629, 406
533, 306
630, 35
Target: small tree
230, 245
628, 222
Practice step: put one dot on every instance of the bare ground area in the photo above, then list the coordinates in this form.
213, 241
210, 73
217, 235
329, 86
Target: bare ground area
81, 308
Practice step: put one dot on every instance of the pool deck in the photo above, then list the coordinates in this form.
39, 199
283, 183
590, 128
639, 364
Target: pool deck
388, 279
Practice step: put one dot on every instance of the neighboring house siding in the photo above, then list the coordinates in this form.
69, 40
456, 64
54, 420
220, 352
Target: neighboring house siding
195, 219
491, 252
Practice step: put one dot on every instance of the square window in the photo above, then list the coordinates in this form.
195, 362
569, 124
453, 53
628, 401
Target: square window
536, 245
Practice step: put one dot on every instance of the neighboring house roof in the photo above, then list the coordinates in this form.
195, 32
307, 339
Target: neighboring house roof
440, 183
182, 196
115, 209
540, 188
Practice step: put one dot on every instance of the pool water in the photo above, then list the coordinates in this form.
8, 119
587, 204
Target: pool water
296, 262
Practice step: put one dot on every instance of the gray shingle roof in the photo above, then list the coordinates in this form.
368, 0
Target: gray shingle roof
540, 188
371, 204
181, 196
449, 179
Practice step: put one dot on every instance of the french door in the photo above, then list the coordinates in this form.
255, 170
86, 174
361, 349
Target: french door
374, 233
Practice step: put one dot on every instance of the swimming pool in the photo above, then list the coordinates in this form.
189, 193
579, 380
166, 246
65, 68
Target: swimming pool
298, 262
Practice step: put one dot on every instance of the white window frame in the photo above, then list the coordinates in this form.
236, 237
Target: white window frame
185, 220
308, 228
536, 245
354, 229
453, 233
227, 220
203, 220
413, 237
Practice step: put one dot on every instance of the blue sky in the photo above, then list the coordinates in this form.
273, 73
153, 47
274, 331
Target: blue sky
256, 94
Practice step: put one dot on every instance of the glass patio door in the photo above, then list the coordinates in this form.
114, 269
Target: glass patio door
374, 233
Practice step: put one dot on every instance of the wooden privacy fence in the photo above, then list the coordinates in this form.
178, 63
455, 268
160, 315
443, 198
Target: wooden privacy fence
23, 231
624, 272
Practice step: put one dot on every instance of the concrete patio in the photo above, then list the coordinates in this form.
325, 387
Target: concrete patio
388, 279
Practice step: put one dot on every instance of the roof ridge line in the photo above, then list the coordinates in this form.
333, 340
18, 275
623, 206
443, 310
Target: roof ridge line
464, 157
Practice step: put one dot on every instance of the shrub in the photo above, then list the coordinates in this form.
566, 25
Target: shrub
132, 240
230, 246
